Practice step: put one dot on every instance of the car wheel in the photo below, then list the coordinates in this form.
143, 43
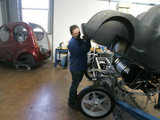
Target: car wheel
95, 102
27, 61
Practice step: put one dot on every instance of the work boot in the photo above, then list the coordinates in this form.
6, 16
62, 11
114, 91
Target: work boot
73, 106
157, 106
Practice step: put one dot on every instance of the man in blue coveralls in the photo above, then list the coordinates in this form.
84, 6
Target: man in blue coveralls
78, 49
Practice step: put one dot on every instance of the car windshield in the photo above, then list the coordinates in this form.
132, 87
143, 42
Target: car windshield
42, 37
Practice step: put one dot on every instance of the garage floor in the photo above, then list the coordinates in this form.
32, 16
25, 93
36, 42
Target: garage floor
40, 94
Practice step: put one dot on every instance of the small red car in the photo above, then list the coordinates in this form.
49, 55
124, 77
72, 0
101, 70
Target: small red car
23, 44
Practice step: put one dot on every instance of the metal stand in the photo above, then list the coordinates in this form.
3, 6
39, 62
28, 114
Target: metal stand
134, 112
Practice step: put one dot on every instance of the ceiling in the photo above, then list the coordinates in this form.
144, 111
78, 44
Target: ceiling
143, 2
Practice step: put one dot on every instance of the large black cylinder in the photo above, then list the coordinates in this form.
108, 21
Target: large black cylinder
142, 34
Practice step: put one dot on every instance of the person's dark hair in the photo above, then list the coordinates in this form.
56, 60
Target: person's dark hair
73, 27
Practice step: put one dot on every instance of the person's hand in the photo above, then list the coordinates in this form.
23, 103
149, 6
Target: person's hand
86, 38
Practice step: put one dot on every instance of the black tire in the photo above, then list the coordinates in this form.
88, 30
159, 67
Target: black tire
89, 90
27, 59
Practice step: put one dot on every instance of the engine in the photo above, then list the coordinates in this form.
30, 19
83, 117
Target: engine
135, 76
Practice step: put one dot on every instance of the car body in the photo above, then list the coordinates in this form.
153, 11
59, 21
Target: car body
141, 35
135, 45
19, 39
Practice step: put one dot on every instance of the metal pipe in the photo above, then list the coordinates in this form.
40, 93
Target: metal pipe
136, 113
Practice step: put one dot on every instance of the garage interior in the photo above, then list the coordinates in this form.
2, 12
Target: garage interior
42, 93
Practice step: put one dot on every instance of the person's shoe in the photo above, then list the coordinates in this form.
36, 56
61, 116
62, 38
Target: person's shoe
157, 106
73, 106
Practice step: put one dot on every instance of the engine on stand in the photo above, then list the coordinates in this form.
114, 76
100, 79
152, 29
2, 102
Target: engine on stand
135, 65
136, 77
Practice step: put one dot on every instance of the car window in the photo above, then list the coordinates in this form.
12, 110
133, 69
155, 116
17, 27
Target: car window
4, 34
20, 33
39, 33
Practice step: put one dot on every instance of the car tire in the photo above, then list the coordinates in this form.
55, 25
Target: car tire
109, 103
27, 59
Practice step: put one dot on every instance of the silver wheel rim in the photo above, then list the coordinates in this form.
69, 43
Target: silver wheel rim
23, 67
96, 103
91, 72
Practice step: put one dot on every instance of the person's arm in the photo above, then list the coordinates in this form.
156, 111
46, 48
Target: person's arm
87, 43
86, 46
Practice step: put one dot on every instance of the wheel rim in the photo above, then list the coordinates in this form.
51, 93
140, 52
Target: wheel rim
22, 67
91, 72
96, 104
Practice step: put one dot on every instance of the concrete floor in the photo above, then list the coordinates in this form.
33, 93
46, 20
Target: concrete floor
40, 94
